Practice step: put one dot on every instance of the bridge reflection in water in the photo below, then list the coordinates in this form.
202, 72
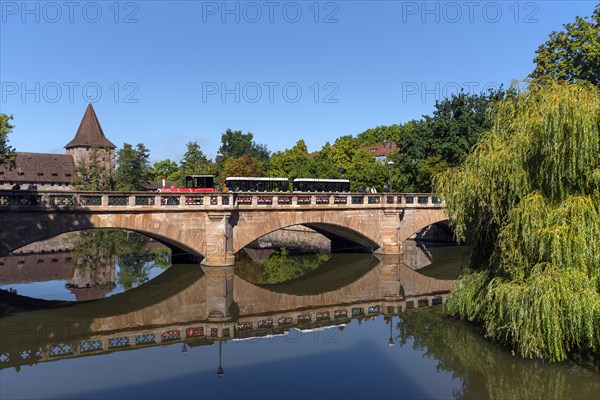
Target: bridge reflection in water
198, 306
232, 329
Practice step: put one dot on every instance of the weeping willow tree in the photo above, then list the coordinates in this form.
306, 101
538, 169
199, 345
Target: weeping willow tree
527, 200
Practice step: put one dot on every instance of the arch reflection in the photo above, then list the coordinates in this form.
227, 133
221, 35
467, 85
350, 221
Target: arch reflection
195, 306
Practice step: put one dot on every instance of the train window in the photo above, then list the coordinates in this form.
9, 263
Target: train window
199, 181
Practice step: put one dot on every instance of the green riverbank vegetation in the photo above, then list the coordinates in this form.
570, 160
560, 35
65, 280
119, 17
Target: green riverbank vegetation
527, 201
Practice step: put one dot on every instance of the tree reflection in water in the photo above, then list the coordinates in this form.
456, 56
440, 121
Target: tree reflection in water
279, 267
486, 369
100, 251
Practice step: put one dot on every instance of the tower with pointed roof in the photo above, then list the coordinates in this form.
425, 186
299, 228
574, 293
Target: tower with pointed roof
89, 136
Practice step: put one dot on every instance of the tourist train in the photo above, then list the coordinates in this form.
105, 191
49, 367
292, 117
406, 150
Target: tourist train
206, 184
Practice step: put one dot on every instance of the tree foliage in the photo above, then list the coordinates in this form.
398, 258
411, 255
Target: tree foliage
245, 165
167, 168
292, 163
195, 160
571, 55
528, 202
457, 124
236, 144
94, 173
324, 166
364, 170
377, 135
445, 138
133, 168
431, 144
343, 149
7, 153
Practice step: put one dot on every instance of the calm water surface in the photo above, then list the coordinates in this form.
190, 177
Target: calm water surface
341, 326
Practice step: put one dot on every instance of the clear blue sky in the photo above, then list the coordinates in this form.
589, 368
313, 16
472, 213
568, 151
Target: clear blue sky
177, 71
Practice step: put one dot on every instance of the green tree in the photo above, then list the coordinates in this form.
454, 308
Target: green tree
245, 165
364, 170
292, 163
571, 55
427, 169
444, 138
167, 168
377, 135
94, 173
196, 161
458, 123
324, 166
7, 153
343, 149
236, 144
133, 168
528, 202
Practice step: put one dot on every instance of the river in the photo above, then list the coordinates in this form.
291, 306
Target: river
100, 318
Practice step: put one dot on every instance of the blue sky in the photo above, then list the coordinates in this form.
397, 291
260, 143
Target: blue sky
164, 73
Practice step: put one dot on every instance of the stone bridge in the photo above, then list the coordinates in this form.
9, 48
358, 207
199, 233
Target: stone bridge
201, 305
215, 226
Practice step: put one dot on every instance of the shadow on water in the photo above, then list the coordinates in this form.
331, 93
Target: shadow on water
435, 260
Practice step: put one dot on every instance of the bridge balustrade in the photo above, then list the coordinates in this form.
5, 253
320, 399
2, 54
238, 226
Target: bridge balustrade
144, 201
284, 200
90, 200
67, 200
118, 200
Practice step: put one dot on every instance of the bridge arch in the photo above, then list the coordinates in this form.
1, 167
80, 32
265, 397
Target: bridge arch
339, 227
414, 221
34, 227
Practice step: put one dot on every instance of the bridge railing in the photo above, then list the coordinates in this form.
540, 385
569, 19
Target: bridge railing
70, 199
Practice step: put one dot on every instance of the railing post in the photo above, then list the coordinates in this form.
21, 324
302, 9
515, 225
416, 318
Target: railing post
13, 200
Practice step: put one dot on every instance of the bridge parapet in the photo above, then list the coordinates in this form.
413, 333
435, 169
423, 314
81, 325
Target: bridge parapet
68, 200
